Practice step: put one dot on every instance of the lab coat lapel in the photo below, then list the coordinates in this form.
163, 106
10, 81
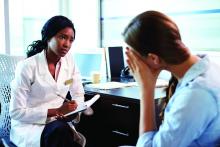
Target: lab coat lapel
44, 71
63, 74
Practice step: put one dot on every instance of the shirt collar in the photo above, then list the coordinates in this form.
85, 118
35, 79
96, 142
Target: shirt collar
197, 69
43, 66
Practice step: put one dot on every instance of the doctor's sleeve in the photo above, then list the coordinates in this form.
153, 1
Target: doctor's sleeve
20, 89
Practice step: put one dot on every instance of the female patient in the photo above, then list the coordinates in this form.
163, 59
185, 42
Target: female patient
47, 72
192, 116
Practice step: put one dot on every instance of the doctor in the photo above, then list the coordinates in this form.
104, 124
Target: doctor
47, 72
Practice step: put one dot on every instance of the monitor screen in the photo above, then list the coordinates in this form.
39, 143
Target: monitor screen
89, 61
115, 62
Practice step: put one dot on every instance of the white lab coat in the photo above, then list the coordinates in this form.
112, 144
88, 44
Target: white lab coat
33, 92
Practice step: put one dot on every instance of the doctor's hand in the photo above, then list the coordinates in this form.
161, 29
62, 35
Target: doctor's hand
66, 108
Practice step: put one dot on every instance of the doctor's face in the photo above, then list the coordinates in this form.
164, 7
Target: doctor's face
61, 43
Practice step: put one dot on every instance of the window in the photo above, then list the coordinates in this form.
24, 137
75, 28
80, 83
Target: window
2, 28
86, 17
90, 60
198, 21
27, 18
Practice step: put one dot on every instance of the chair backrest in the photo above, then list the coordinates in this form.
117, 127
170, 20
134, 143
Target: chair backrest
7, 71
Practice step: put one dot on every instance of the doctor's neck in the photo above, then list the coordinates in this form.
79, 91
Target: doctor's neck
51, 56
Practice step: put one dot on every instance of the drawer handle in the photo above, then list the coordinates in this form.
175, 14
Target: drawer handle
121, 106
120, 133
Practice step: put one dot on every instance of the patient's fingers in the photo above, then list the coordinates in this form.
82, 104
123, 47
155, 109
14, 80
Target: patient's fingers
130, 60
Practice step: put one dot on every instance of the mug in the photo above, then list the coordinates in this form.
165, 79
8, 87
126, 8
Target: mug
95, 77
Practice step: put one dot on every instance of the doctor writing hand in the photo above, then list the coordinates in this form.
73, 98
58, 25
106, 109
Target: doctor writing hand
62, 110
67, 107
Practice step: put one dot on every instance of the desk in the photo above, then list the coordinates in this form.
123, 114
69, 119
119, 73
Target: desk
116, 115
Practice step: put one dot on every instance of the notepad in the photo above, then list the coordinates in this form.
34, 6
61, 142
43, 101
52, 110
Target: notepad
114, 85
81, 107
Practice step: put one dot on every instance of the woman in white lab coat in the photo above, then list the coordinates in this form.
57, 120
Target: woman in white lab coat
48, 72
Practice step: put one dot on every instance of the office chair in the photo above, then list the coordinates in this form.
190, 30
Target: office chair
7, 71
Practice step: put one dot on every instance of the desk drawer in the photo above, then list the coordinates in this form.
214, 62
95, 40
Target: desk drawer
121, 138
117, 137
117, 118
120, 114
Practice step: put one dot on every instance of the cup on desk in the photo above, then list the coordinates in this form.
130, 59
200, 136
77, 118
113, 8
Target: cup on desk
95, 77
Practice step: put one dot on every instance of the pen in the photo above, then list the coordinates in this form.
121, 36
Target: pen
63, 97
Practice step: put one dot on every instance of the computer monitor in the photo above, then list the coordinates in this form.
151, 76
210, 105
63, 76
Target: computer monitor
115, 62
89, 60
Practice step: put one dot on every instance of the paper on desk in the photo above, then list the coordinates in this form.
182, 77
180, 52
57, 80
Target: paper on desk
111, 85
114, 85
162, 83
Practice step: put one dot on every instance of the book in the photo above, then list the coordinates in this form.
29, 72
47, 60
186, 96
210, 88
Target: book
81, 107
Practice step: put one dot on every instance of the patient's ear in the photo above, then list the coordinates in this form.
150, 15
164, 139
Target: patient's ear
154, 61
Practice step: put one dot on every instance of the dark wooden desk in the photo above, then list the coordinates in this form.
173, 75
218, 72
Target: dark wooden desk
116, 117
